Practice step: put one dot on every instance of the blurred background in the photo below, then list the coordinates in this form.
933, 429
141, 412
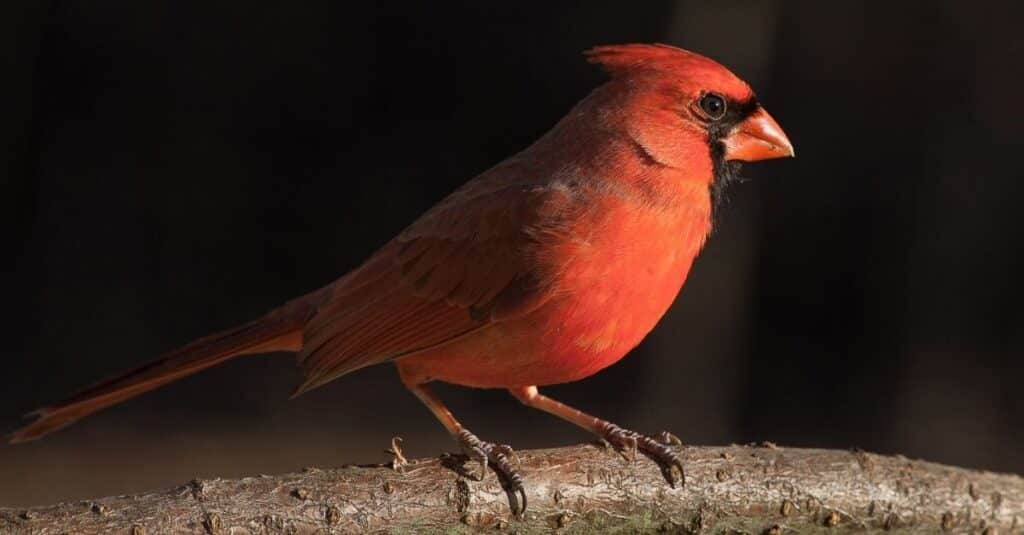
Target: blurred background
175, 168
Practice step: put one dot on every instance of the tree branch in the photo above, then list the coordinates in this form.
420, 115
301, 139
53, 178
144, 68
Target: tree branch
580, 489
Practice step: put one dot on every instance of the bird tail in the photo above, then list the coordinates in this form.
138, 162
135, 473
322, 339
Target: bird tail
280, 330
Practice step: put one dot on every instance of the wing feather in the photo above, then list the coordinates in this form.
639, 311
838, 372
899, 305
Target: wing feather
465, 264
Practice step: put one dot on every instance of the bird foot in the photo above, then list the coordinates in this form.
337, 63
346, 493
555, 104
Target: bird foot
398, 460
657, 447
498, 457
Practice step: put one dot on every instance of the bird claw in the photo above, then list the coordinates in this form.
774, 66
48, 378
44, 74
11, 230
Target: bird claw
508, 452
668, 439
398, 461
496, 456
628, 448
657, 448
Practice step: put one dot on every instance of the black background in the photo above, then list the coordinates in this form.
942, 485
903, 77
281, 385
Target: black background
175, 168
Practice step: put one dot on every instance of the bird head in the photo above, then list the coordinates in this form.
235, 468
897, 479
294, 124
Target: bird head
685, 110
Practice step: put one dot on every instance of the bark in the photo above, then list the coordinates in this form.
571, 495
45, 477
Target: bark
581, 489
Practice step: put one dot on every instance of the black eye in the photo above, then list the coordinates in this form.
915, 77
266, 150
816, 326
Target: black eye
713, 106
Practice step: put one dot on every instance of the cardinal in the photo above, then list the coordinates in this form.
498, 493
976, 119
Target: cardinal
545, 269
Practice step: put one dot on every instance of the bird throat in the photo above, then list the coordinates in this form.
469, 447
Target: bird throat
726, 174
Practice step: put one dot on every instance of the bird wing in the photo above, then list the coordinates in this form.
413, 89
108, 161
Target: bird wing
467, 263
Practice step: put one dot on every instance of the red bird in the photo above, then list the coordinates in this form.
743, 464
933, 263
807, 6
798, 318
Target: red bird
545, 269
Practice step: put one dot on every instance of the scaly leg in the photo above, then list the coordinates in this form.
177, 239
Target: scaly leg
486, 453
623, 440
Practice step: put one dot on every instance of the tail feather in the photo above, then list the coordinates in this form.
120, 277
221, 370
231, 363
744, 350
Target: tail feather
274, 332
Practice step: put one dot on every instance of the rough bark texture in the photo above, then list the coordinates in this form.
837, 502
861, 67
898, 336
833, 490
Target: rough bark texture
581, 489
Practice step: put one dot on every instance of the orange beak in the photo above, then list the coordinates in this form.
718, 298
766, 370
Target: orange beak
758, 137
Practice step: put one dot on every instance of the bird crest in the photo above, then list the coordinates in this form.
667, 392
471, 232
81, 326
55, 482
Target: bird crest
629, 59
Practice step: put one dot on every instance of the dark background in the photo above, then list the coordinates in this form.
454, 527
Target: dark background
174, 168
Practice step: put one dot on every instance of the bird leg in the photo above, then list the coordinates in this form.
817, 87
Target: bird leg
497, 456
625, 441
